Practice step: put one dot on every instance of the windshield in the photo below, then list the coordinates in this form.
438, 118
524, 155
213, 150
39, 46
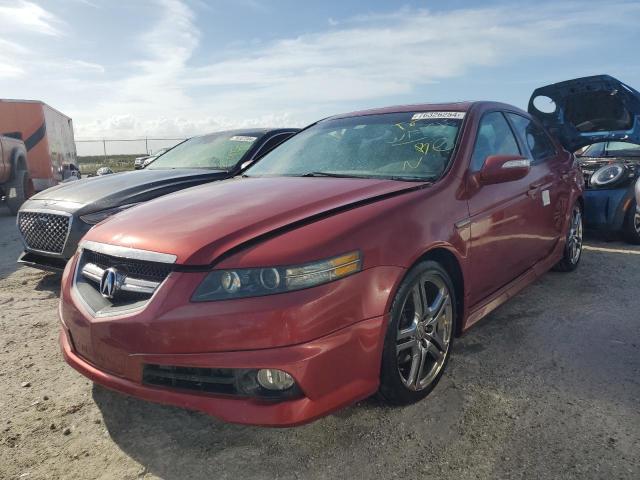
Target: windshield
220, 151
402, 146
612, 149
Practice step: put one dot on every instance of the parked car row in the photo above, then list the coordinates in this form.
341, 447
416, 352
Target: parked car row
341, 264
141, 162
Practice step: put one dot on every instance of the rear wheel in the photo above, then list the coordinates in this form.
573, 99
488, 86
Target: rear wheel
573, 244
419, 336
632, 225
18, 190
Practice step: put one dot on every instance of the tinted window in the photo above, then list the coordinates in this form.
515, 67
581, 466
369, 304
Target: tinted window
494, 138
411, 145
536, 139
594, 150
623, 149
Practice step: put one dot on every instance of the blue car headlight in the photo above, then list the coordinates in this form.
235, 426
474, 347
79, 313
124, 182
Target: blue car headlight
608, 175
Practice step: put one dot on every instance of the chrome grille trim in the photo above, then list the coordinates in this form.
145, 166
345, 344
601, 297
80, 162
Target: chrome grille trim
94, 273
128, 252
48, 236
139, 279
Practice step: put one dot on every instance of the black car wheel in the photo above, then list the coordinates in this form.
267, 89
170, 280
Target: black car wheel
419, 336
19, 190
573, 244
632, 225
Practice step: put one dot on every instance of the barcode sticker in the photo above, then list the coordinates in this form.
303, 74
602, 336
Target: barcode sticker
240, 138
438, 115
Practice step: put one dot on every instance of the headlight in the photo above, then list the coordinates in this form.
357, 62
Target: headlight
607, 175
97, 217
254, 282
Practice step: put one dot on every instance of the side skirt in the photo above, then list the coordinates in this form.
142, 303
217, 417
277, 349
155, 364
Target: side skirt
488, 305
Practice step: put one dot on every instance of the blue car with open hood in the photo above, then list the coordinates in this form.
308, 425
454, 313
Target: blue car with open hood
603, 114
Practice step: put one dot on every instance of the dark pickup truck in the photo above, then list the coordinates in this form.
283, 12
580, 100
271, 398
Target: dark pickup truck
15, 181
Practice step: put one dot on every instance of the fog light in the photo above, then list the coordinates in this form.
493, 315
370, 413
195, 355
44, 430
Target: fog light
273, 379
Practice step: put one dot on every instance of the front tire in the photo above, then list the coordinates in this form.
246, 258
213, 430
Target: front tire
419, 336
573, 245
632, 225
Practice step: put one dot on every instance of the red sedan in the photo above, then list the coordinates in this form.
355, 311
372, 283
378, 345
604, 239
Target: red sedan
343, 264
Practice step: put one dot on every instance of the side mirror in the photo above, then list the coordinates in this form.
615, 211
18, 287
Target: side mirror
504, 168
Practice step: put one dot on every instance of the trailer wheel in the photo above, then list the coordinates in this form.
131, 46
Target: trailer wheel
18, 190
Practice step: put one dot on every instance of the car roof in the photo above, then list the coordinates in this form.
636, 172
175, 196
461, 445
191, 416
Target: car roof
251, 132
427, 107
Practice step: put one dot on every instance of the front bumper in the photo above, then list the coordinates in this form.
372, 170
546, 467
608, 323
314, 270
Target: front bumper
606, 209
332, 372
329, 338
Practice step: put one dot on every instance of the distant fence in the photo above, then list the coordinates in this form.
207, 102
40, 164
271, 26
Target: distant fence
130, 146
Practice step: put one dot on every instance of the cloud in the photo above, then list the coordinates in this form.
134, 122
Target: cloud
167, 84
24, 16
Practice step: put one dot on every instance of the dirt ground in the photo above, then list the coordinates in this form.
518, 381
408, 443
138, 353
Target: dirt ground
547, 387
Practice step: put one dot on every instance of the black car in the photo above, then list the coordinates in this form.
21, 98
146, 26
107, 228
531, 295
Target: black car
603, 112
52, 222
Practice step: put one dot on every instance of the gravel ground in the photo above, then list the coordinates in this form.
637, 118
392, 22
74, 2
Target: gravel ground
547, 387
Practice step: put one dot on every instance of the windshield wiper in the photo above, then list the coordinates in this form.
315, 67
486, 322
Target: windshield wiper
411, 179
330, 174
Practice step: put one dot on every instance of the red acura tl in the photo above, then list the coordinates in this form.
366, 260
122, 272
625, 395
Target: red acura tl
343, 264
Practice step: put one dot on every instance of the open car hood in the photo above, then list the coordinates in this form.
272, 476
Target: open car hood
588, 110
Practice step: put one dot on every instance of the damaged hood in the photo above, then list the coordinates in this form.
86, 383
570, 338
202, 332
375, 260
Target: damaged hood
587, 110
200, 224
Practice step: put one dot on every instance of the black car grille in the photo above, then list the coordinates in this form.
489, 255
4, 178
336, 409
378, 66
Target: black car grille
156, 272
45, 232
587, 178
207, 380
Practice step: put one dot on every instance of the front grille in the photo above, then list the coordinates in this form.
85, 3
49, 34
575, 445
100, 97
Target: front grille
587, 178
206, 380
45, 232
156, 272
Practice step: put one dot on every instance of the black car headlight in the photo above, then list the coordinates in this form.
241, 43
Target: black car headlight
608, 175
255, 282
97, 217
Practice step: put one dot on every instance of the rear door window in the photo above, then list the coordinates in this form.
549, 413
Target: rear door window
535, 138
494, 138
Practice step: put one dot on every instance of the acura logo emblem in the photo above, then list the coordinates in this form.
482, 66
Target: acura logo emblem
110, 283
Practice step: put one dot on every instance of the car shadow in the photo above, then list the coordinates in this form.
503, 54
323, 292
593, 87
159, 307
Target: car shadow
50, 283
176, 444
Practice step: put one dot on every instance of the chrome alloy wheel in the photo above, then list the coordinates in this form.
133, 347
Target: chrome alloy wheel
574, 241
424, 331
636, 221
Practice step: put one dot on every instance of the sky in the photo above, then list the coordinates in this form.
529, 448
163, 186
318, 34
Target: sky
176, 68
